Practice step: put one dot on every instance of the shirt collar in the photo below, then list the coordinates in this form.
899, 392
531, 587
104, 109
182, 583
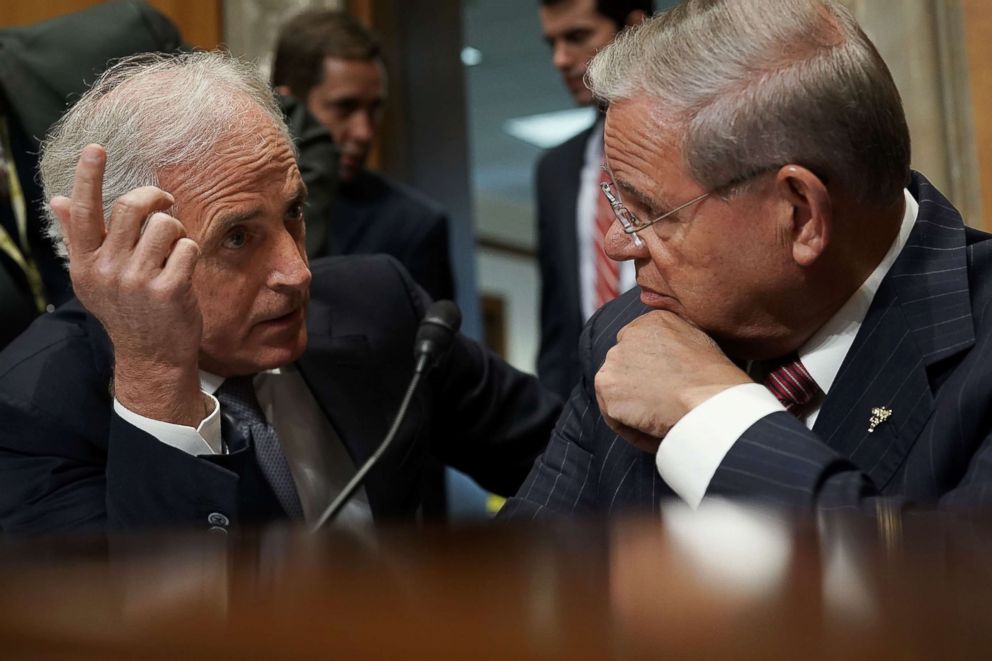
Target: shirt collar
211, 383
824, 352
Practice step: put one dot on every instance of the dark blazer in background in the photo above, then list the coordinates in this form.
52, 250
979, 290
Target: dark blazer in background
924, 352
374, 214
68, 462
557, 184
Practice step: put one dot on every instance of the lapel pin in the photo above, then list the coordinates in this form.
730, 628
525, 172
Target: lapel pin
879, 414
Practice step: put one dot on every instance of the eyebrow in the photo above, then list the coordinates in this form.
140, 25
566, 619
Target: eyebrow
630, 192
224, 223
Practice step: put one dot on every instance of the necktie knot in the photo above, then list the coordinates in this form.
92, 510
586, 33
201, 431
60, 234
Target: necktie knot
237, 396
791, 383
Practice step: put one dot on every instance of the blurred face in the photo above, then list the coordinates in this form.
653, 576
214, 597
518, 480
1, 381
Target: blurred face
348, 101
575, 32
245, 210
724, 264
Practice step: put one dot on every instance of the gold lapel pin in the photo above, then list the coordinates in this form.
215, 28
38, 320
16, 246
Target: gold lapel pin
879, 414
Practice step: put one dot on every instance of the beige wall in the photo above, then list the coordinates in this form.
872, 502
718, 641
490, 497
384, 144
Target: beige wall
251, 26
977, 22
922, 42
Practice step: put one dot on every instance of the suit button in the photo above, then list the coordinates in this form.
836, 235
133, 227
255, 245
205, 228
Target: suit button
217, 519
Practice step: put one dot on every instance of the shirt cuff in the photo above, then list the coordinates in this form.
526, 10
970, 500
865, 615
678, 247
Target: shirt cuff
204, 439
693, 449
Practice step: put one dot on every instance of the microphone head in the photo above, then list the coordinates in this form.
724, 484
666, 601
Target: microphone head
436, 331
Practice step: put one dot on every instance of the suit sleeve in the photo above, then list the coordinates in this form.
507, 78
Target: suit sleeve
565, 479
149, 483
429, 259
780, 461
488, 420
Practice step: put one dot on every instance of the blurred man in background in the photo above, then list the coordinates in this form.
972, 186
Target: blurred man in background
334, 64
576, 276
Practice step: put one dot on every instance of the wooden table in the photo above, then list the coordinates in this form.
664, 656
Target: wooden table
722, 582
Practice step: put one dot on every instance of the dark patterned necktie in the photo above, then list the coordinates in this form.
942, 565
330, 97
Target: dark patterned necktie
791, 384
237, 397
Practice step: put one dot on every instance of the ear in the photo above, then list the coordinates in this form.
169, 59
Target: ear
811, 219
284, 90
635, 17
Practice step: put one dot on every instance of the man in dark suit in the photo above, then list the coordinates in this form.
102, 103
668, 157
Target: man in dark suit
332, 63
576, 278
811, 325
206, 375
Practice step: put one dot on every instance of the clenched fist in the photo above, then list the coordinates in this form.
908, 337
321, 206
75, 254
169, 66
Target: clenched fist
660, 369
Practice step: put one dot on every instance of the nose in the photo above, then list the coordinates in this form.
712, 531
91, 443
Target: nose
561, 56
620, 246
290, 272
361, 127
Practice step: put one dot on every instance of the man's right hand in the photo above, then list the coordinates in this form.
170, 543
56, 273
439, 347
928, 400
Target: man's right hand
134, 274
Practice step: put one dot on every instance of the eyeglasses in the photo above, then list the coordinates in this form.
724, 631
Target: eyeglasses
631, 224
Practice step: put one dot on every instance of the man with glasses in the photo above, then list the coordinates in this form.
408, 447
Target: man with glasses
809, 327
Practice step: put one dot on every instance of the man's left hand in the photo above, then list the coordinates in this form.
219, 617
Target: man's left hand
661, 368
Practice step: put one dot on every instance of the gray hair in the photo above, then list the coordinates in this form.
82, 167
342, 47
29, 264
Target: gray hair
153, 111
756, 84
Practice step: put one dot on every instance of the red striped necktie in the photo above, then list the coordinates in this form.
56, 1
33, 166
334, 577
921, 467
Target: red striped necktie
791, 384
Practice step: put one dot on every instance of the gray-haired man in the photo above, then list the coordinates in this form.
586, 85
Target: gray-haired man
810, 325
208, 375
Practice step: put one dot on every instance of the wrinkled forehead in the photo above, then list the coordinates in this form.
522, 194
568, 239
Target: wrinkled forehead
253, 158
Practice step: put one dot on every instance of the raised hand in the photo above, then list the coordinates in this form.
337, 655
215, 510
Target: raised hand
660, 369
135, 275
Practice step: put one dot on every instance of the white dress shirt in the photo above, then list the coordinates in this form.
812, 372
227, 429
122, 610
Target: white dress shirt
585, 219
317, 458
690, 454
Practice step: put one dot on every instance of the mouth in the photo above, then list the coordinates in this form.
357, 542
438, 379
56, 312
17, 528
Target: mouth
289, 319
659, 301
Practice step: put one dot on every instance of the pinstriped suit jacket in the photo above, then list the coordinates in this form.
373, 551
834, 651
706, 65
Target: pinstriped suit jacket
924, 352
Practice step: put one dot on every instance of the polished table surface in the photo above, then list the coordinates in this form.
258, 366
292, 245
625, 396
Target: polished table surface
723, 582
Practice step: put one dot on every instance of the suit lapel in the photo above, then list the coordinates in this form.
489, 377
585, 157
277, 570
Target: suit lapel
921, 314
340, 374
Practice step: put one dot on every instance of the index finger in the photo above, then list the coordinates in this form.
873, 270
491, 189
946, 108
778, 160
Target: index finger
86, 228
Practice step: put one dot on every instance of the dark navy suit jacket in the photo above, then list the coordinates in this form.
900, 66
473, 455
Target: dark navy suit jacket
924, 352
557, 185
374, 214
68, 462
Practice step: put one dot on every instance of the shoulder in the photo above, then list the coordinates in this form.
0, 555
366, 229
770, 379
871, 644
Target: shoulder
600, 332
359, 281
391, 194
570, 151
60, 366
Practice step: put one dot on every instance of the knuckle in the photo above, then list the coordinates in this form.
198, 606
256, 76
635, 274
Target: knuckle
160, 290
126, 204
131, 282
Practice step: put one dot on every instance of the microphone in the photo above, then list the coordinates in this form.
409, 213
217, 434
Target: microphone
434, 336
